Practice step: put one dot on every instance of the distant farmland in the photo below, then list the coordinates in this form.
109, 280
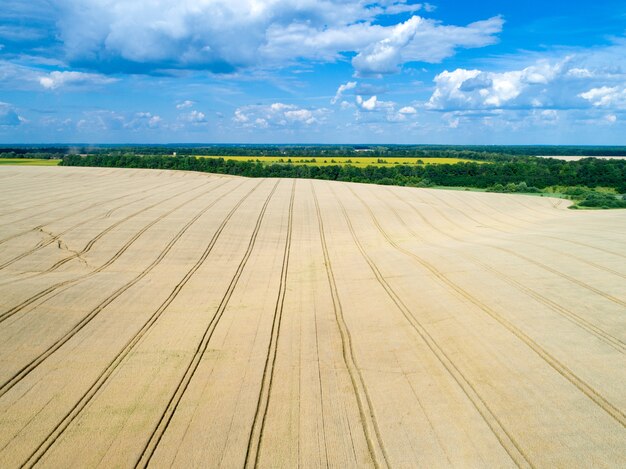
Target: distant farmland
360, 161
28, 162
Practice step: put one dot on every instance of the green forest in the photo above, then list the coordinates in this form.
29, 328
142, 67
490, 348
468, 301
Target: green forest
578, 179
591, 182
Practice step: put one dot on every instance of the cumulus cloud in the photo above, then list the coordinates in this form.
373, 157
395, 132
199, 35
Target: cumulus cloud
194, 117
228, 35
58, 79
373, 110
544, 84
605, 96
367, 104
8, 115
185, 104
423, 40
278, 115
342, 89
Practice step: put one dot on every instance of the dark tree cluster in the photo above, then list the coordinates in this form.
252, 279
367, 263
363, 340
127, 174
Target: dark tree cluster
532, 172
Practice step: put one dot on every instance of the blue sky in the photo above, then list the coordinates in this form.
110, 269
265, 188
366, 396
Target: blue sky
304, 71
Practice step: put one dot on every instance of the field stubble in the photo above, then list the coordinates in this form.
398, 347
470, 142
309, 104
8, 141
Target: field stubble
157, 318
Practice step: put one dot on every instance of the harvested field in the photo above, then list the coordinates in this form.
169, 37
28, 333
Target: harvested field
159, 318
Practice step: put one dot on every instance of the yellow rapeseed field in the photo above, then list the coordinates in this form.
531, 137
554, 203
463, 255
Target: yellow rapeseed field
28, 162
344, 160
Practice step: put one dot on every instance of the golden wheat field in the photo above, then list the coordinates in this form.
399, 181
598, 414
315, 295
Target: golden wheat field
158, 318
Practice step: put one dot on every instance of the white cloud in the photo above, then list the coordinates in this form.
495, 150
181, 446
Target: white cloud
541, 85
228, 35
278, 115
367, 104
605, 96
185, 104
58, 79
385, 55
374, 110
194, 117
423, 40
403, 7
342, 89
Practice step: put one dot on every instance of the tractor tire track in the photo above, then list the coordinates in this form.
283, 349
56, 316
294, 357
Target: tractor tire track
56, 433
559, 367
66, 283
98, 194
371, 431
33, 364
110, 228
46, 191
166, 417
540, 236
579, 321
554, 271
54, 237
255, 438
96, 204
504, 437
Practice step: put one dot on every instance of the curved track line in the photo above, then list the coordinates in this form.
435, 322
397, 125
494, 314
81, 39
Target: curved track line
559, 367
255, 437
507, 441
168, 413
52, 238
375, 444
33, 364
550, 269
578, 243
66, 283
111, 227
609, 339
54, 435
541, 236
38, 227
73, 193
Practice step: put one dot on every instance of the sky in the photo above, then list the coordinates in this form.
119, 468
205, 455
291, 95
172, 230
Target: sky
305, 71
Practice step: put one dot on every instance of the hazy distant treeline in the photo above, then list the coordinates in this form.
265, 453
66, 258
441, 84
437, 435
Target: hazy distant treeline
475, 152
534, 172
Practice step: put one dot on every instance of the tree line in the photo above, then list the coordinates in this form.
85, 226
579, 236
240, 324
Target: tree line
533, 172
